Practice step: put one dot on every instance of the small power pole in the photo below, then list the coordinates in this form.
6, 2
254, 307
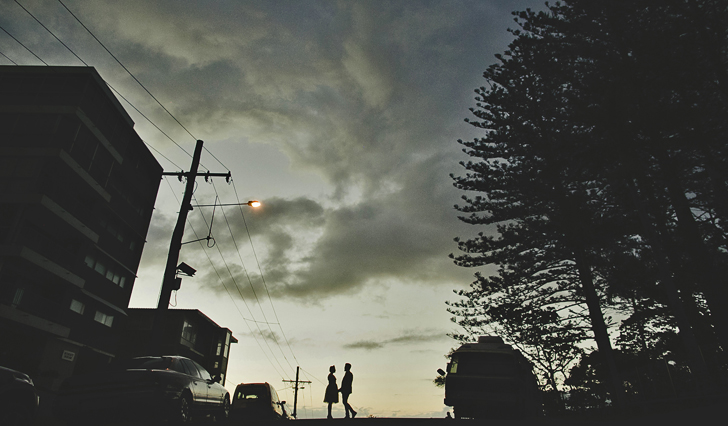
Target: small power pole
169, 281
296, 388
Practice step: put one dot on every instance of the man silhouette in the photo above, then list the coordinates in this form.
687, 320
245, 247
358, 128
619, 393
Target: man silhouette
346, 390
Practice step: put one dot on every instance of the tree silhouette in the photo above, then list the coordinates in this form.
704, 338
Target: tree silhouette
603, 151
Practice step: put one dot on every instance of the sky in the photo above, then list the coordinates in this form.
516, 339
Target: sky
342, 118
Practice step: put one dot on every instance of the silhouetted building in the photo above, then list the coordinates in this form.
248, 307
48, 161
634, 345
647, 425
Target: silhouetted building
77, 189
187, 332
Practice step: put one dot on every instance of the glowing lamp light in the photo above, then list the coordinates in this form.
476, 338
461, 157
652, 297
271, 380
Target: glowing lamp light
254, 203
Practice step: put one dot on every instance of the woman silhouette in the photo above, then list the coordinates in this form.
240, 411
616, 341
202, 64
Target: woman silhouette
332, 390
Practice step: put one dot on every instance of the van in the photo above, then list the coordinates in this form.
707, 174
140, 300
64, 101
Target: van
490, 379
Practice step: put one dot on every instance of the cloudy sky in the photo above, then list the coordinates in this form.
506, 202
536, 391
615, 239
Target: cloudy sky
342, 118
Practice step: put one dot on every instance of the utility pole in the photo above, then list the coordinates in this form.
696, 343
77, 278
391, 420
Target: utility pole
169, 282
296, 388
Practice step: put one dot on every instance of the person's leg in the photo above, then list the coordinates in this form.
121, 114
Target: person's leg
345, 400
329, 417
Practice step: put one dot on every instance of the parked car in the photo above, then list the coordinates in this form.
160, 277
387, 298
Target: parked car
18, 398
257, 401
170, 388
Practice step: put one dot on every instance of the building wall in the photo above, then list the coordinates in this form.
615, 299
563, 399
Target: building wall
187, 332
77, 190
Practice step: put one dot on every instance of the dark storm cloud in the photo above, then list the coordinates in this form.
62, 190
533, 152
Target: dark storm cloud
298, 212
262, 331
364, 344
274, 229
354, 88
308, 251
397, 236
369, 95
269, 335
409, 337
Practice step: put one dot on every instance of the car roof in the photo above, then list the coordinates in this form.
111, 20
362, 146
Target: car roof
159, 357
254, 384
11, 371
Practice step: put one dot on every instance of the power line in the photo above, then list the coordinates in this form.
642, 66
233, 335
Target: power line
250, 238
245, 320
6, 57
250, 281
162, 155
126, 69
213, 156
151, 122
108, 84
232, 277
314, 376
135, 79
122, 65
51, 32
24, 46
129, 72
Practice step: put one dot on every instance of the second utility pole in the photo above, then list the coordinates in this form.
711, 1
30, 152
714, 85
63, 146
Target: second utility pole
295, 393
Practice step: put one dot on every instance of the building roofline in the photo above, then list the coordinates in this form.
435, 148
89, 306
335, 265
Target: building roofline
232, 338
90, 71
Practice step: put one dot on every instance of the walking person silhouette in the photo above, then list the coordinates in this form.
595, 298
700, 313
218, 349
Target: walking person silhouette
346, 390
332, 393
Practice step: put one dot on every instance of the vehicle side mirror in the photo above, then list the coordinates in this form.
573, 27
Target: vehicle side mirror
284, 402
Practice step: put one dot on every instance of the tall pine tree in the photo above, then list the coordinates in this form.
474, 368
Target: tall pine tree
604, 144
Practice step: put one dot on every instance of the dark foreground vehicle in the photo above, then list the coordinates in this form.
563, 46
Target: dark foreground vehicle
171, 388
490, 379
18, 398
257, 401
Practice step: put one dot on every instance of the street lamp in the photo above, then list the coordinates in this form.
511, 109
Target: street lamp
252, 203
171, 281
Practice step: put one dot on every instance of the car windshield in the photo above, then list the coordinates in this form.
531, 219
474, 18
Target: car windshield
250, 392
146, 363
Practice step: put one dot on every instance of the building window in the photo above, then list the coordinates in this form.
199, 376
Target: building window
115, 278
77, 306
104, 319
127, 193
189, 333
18, 296
227, 345
119, 232
110, 274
